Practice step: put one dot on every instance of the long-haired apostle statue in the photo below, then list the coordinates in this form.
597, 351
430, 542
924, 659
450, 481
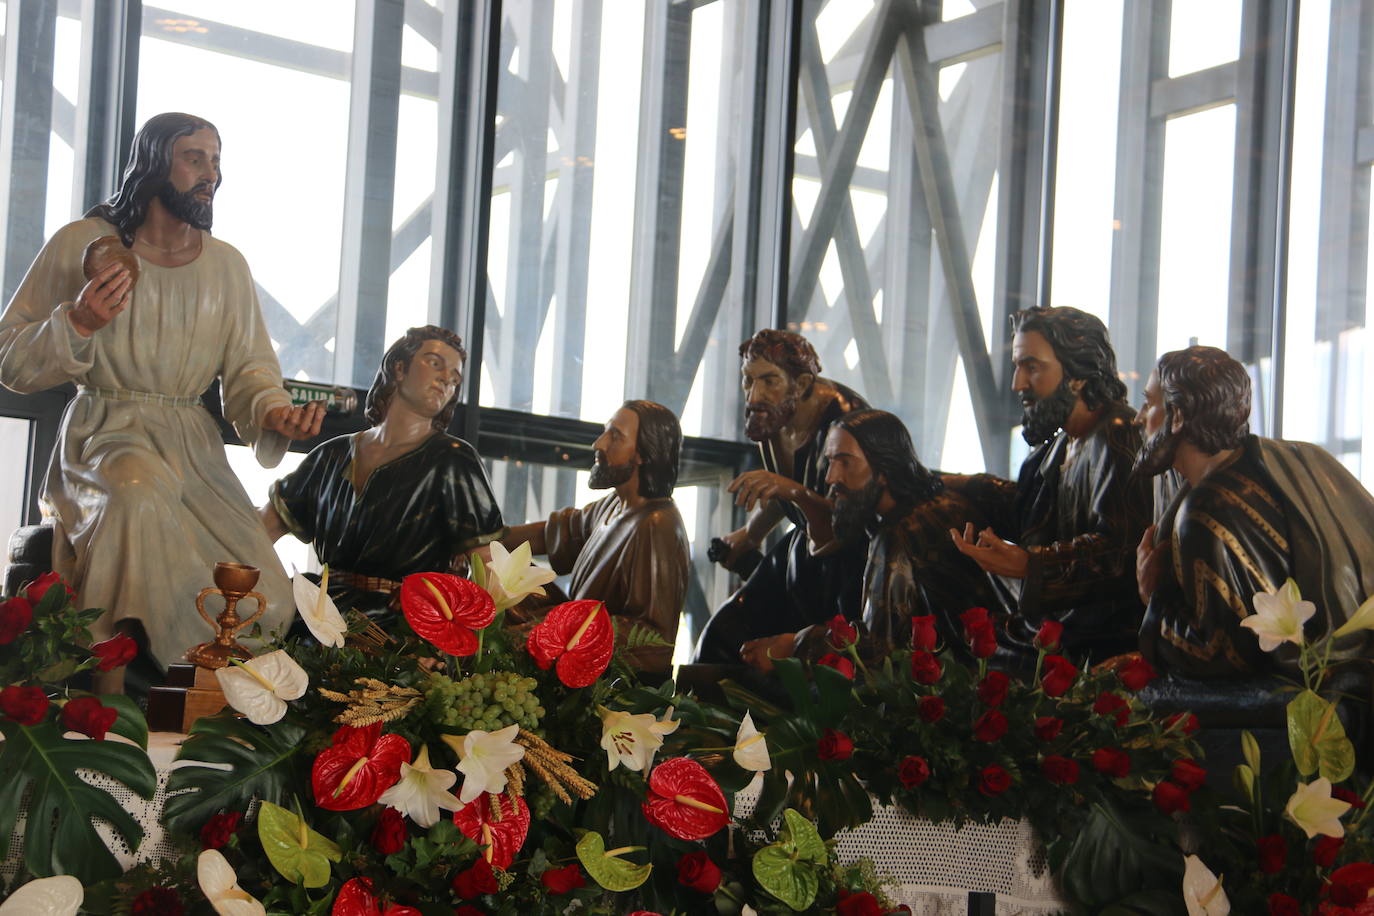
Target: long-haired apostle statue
144, 500
401, 497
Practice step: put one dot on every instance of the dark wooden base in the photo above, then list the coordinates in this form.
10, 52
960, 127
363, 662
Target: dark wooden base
191, 692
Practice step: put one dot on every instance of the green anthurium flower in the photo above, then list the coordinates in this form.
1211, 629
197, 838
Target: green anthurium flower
607, 868
788, 869
301, 855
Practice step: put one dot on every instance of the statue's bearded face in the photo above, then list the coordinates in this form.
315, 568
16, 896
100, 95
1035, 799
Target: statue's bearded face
770, 398
616, 454
189, 192
855, 490
1047, 398
1161, 442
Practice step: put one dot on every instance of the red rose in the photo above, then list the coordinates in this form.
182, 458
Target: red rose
1351, 884
158, 901
1273, 852
978, 631
114, 652
923, 635
467, 909
1188, 774
1136, 673
1283, 905
1169, 797
860, 904
36, 589
25, 705
842, 632
1325, 850
993, 780
1057, 675
1047, 728
563, 880
15, 616
475, 881
1185, 721
992, 690
88, 716
389, 835
1111, 704
218, 829
1061, 771
1051, 631
974, 617
839, 663
697, 871
913, 772
990, 726
1350, 798
925, 668
930, 709
1111, 761
835, 745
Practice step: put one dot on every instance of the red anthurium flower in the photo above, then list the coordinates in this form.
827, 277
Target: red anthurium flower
684, 800
502, 837
446, 610
356, 899
361, 765
579, 635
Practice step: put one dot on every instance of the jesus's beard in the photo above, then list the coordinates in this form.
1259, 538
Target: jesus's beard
187, 207
604, 476
854, 510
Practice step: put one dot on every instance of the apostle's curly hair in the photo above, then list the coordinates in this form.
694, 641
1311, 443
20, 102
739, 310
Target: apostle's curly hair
399, 355
787, 350
1081, 345
659, 445
1211, 391
888, 450
150, 165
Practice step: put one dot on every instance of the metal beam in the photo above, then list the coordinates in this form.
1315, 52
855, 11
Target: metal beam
108, 96
1172, 97
973, 35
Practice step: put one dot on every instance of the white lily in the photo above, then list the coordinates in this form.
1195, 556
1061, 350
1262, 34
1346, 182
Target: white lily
1314, 810
58, 896
1202, 891
260, 687
318, 611
511, 576
220, 886
751, 750
633, 740
1279, 616
483, 758
422, 791
1362, 619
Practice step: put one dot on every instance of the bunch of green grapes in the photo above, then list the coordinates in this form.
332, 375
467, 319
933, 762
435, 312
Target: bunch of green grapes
488, 701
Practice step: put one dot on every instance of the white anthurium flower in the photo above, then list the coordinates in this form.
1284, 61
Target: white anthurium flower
748, 910
1202, 891
1314, 810
633, 740
220, 886
1362, 619
260, 687
511, 575
751, 750
422, 791
483, 758
58, 896
1279, 616
318, 611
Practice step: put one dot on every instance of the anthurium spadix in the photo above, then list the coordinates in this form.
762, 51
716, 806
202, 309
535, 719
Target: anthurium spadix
58, 896
1202, 891
220, 886
317, 609
751, 750
511, 576
260, 687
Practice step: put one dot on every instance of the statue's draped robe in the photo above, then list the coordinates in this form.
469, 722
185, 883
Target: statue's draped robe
637, 562
1080, 523
791, 588
1278, 510
413, 514
143, 496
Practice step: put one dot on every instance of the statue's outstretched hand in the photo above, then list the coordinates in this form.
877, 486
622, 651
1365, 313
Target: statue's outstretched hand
104, 296
297, 423
991, 553
754, 487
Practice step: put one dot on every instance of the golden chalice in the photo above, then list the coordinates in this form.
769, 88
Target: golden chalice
233, 582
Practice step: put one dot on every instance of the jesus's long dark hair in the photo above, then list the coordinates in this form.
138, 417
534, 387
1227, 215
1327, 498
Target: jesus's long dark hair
150, 164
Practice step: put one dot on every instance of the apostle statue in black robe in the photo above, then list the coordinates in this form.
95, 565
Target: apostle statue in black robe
401, 497
1252, 513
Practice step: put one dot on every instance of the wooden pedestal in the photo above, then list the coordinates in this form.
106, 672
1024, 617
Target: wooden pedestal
191, 692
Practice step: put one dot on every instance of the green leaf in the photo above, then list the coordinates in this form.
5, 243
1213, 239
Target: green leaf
1110, 860
1244, 780
793, 678
130, 723
59, 836
1250, 748
794, 883
642, 637
610, 871
742, 699
801, 836
260, 766
1317, 738
834, 690
299, 853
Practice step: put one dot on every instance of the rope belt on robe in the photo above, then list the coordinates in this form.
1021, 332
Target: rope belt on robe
146, 397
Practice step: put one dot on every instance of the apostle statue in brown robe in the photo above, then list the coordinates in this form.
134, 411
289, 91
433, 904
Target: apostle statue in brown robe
629, 548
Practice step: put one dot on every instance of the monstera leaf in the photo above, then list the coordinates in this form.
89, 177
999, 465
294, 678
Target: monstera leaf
59, 837
1112, 862
1317, 737
299, 854
260, 762
607, 868
789, 868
